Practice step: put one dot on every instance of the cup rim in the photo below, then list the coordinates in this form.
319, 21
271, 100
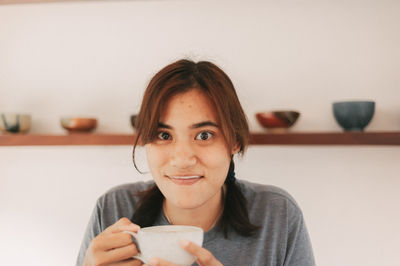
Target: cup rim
172, 226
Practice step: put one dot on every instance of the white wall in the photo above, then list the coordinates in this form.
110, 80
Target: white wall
95, 58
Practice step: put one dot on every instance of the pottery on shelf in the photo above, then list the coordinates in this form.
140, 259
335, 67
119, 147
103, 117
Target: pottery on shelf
133, 120
15, 123
78, 124
353, 115
277, 121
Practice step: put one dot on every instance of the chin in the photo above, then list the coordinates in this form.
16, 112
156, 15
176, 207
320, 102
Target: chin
183, 199
185, 204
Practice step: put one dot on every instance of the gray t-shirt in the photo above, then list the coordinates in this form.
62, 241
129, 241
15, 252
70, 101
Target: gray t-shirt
281, 240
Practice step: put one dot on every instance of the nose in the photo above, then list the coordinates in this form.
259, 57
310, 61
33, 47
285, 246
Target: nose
183, 156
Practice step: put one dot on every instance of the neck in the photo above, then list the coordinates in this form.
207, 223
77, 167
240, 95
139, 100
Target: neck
205, 216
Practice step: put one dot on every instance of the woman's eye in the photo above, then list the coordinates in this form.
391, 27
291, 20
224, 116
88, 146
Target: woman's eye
204, 135
164, 136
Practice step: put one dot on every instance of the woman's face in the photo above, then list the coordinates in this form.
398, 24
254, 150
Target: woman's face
189, 159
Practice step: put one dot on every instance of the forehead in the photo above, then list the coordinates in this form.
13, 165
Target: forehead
192, 106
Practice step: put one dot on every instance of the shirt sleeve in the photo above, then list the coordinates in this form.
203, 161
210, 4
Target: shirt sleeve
299, 250
93, 229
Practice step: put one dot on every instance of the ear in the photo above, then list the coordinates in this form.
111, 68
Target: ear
235, 148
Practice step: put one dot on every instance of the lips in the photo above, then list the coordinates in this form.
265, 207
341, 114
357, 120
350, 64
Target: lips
189, 179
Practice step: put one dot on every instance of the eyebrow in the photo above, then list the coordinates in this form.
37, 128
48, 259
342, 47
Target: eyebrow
194, 126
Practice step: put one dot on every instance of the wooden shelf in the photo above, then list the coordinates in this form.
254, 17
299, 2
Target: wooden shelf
338, 138
11, 2
71, 139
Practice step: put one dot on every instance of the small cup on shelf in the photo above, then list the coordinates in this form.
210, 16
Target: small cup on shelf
15, 123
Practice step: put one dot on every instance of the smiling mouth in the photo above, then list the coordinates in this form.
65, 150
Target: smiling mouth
185, 180
185, 177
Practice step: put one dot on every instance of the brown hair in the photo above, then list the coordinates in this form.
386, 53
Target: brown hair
180, 77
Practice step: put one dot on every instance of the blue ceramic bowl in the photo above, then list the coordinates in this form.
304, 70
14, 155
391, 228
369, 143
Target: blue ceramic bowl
354, 115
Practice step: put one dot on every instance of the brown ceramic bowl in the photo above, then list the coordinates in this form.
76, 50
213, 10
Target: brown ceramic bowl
277, 121
78, 124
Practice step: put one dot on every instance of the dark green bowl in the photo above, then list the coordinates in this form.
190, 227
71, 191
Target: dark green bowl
354, 115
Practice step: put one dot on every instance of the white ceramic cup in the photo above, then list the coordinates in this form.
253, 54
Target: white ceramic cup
164, 242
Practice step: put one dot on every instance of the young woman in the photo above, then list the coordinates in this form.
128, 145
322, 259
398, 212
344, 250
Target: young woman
191, 124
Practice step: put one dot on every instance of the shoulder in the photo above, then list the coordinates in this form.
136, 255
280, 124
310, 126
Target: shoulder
268, 192
131, 187
118, 202
125, 195
266, 197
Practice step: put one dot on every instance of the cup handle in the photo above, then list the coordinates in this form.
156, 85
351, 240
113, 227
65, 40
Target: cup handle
139, 255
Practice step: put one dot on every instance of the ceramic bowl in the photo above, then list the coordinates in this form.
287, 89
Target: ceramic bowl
15, 123
277, 121
133, 120
78, 124
353, 115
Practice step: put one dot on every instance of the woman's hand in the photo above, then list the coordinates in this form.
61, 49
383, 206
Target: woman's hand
113, 247
204, 257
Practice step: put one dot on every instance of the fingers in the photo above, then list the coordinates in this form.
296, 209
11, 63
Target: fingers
159, 262
204, 257
105, 257
123, 253
112, 237
112, 241
113, 246
128, 262
123, 224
